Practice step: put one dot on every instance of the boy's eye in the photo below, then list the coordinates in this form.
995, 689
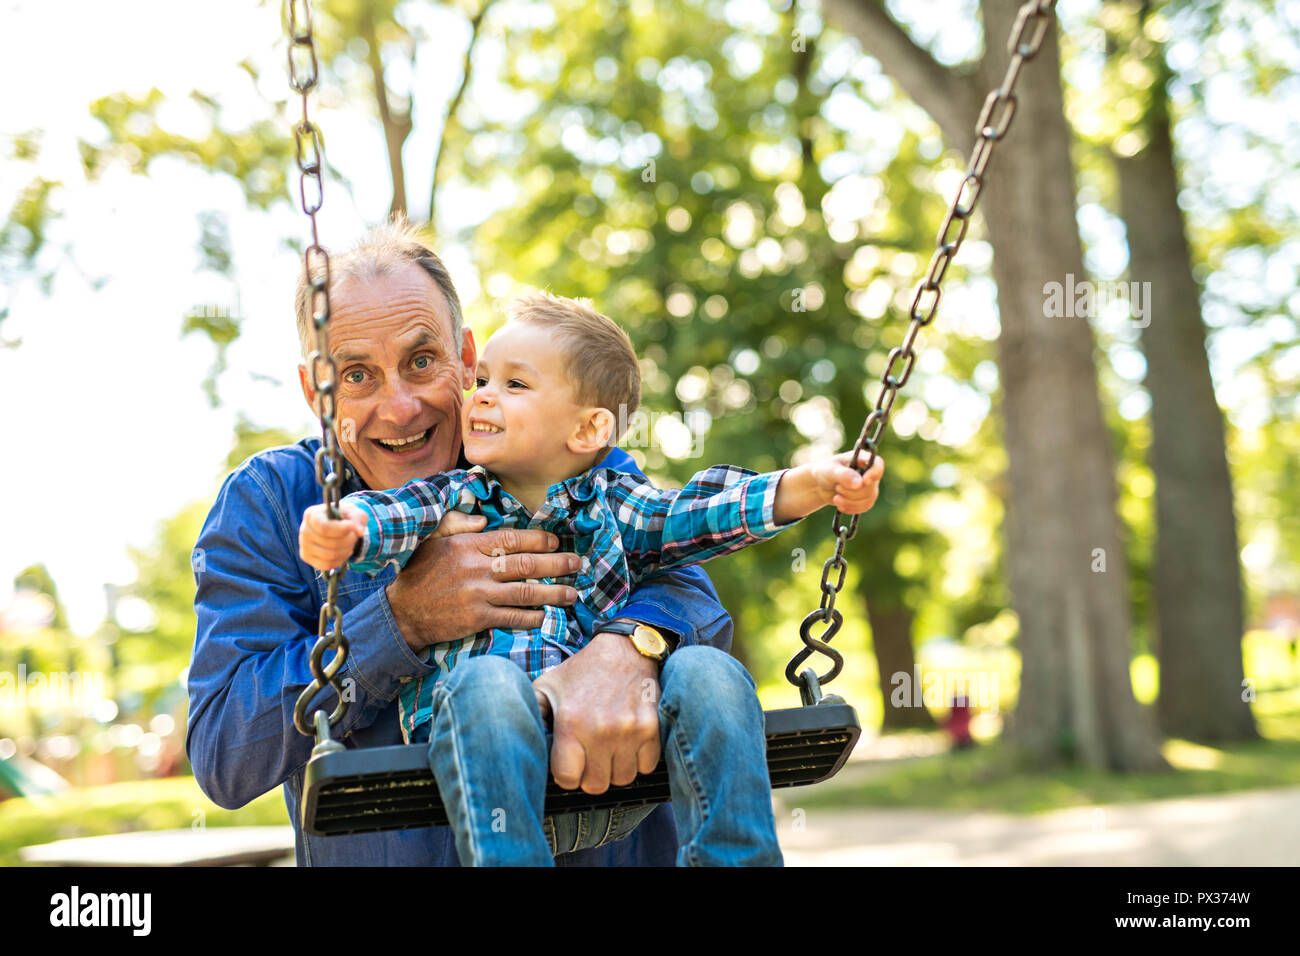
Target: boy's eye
515, 383
480, 382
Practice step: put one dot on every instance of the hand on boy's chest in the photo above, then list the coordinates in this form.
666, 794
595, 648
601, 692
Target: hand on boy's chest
602, 580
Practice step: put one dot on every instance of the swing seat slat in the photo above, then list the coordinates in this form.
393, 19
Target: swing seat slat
368, 790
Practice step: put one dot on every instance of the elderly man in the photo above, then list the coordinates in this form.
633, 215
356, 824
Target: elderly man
404, 362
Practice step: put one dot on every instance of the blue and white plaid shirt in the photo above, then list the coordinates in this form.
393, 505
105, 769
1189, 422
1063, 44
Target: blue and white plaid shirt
625, 528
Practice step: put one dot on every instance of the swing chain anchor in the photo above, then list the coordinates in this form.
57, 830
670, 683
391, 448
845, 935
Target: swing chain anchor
310, 153
1033, 20
324, 743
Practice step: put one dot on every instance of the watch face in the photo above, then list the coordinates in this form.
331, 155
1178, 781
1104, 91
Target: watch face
649, 641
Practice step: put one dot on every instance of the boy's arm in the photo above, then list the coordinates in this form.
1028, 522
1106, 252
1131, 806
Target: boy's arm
720, 510
725, 508
828, 481
397, 521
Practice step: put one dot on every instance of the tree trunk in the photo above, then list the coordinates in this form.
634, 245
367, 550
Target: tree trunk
1066, 564
1196, 574
891, 637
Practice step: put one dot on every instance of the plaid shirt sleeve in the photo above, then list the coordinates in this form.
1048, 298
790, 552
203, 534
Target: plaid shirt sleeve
720, 510
398, 521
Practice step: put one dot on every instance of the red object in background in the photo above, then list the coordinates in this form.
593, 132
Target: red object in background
958, 724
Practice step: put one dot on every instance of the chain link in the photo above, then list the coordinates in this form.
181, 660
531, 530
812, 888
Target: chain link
310, 152
1027, 35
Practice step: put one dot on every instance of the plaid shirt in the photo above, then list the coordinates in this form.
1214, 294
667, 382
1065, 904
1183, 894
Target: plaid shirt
625, 528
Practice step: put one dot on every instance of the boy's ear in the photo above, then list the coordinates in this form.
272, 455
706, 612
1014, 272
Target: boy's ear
595, 431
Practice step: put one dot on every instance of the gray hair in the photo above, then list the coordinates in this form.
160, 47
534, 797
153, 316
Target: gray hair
383, 251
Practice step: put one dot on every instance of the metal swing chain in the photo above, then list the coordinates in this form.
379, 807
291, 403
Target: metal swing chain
303, 74
1027, 34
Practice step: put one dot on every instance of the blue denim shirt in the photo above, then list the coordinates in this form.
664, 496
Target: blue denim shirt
257, 606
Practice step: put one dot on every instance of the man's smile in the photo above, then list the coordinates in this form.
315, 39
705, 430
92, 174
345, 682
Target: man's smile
401, 447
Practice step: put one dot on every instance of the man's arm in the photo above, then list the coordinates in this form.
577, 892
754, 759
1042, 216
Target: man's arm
257, 608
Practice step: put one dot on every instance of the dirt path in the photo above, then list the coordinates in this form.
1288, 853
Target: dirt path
1256, 828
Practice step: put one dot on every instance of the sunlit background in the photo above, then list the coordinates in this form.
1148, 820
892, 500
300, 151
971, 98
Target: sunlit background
124, 407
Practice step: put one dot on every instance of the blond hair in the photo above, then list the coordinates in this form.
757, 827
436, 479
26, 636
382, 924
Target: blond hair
600, 362
383, 251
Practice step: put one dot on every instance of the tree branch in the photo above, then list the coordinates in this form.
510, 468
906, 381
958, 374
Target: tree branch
945, 93
397, 126
475, 23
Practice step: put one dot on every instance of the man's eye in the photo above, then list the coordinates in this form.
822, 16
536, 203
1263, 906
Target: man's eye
423, 362
354, 377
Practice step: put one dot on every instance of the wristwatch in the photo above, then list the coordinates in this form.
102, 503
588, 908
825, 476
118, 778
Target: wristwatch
646, 639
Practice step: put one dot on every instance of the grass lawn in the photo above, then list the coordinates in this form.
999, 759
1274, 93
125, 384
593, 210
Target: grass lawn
985, 778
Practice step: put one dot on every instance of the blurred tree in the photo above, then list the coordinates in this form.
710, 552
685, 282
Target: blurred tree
1196, 571
1065, 558
370, 46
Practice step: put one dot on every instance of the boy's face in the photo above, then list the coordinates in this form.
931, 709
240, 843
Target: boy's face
523, 411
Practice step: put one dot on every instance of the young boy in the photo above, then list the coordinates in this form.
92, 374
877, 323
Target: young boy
552, 385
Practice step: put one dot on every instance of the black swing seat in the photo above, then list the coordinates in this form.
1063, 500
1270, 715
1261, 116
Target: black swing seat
366, 790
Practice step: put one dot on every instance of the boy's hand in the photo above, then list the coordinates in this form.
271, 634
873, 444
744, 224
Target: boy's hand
839, 484
326, 544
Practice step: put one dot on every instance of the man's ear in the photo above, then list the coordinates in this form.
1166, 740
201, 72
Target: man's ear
595, 431
468, 359
308, 392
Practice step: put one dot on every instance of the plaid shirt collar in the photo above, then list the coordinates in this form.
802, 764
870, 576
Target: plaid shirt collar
572, 492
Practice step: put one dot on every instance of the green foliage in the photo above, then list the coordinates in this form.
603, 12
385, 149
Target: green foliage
24, 230
258, 156
216, 323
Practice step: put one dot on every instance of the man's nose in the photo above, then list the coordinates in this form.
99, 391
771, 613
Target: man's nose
400, 403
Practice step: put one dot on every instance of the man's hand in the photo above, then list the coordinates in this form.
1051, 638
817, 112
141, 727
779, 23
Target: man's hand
604, 705
459, 583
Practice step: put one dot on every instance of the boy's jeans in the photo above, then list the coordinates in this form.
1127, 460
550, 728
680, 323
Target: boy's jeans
490, 753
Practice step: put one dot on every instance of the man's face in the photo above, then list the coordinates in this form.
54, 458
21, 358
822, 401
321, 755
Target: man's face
401, 377
523, 409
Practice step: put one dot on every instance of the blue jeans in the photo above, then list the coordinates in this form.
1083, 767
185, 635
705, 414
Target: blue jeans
490, 753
